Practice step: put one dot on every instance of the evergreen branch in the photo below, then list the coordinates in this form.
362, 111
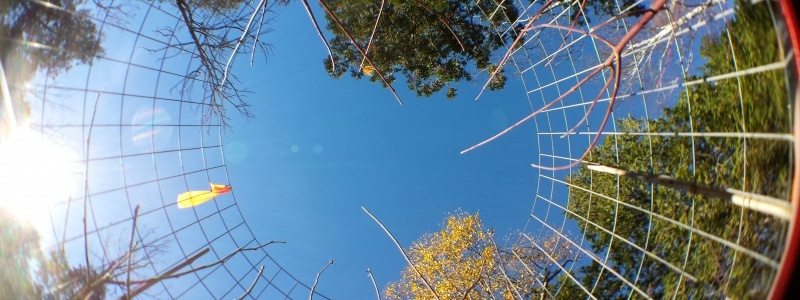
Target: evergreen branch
443, 22
364, 53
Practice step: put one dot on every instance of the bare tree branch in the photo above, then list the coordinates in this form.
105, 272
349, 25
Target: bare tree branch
372, 35
402, 251
223, 260
130, 249
319, 32
212, 43
247, 292
86, 191
377, 291
503, 267
316, 280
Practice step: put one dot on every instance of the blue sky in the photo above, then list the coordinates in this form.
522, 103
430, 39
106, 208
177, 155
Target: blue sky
355, 146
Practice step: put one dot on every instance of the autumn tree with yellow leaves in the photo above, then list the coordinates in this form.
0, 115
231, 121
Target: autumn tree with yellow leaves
463, 261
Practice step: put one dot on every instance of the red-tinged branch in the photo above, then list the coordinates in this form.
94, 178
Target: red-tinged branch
599, 131
616, 56
521, 35
538, 111
591, 106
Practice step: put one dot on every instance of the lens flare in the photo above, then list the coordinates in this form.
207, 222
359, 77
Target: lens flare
36, 173
151, 128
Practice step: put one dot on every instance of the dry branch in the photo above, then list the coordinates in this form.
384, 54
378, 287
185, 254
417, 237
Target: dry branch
771, 206
211, 41
250, 289
402, 251
200, 268
316, 280
502, 267
86, 191
130, 249
374, 285
319, 32
372, 35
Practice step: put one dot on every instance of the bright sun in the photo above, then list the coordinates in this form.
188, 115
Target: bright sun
35, 173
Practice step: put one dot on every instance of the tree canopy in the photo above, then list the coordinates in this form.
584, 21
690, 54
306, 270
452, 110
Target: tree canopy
39, 38
413, 39
432, 43
27, 273
18, 246
35, 38
462, 260
757, 103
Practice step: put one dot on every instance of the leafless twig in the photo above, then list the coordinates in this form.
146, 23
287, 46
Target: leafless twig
240, 41
86, 192
402, 251
194, 270
247, 292
319, 32
503, 266
130, 249
372, 35
374, 285
316, 280
258, 33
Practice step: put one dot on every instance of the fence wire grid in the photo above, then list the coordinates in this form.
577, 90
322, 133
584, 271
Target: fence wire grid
704, 101
136, 121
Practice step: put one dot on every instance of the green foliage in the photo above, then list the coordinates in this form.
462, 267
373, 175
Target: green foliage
26, 273
18, 251
54, 40
216, 6
35, 38
757, 103
414, 42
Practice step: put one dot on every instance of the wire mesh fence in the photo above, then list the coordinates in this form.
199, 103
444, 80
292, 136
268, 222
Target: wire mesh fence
138, 125
636, 138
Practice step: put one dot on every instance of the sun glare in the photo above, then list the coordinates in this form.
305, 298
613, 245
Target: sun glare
35, 173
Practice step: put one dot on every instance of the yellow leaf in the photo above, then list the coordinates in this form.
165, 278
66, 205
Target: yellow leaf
368, 70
